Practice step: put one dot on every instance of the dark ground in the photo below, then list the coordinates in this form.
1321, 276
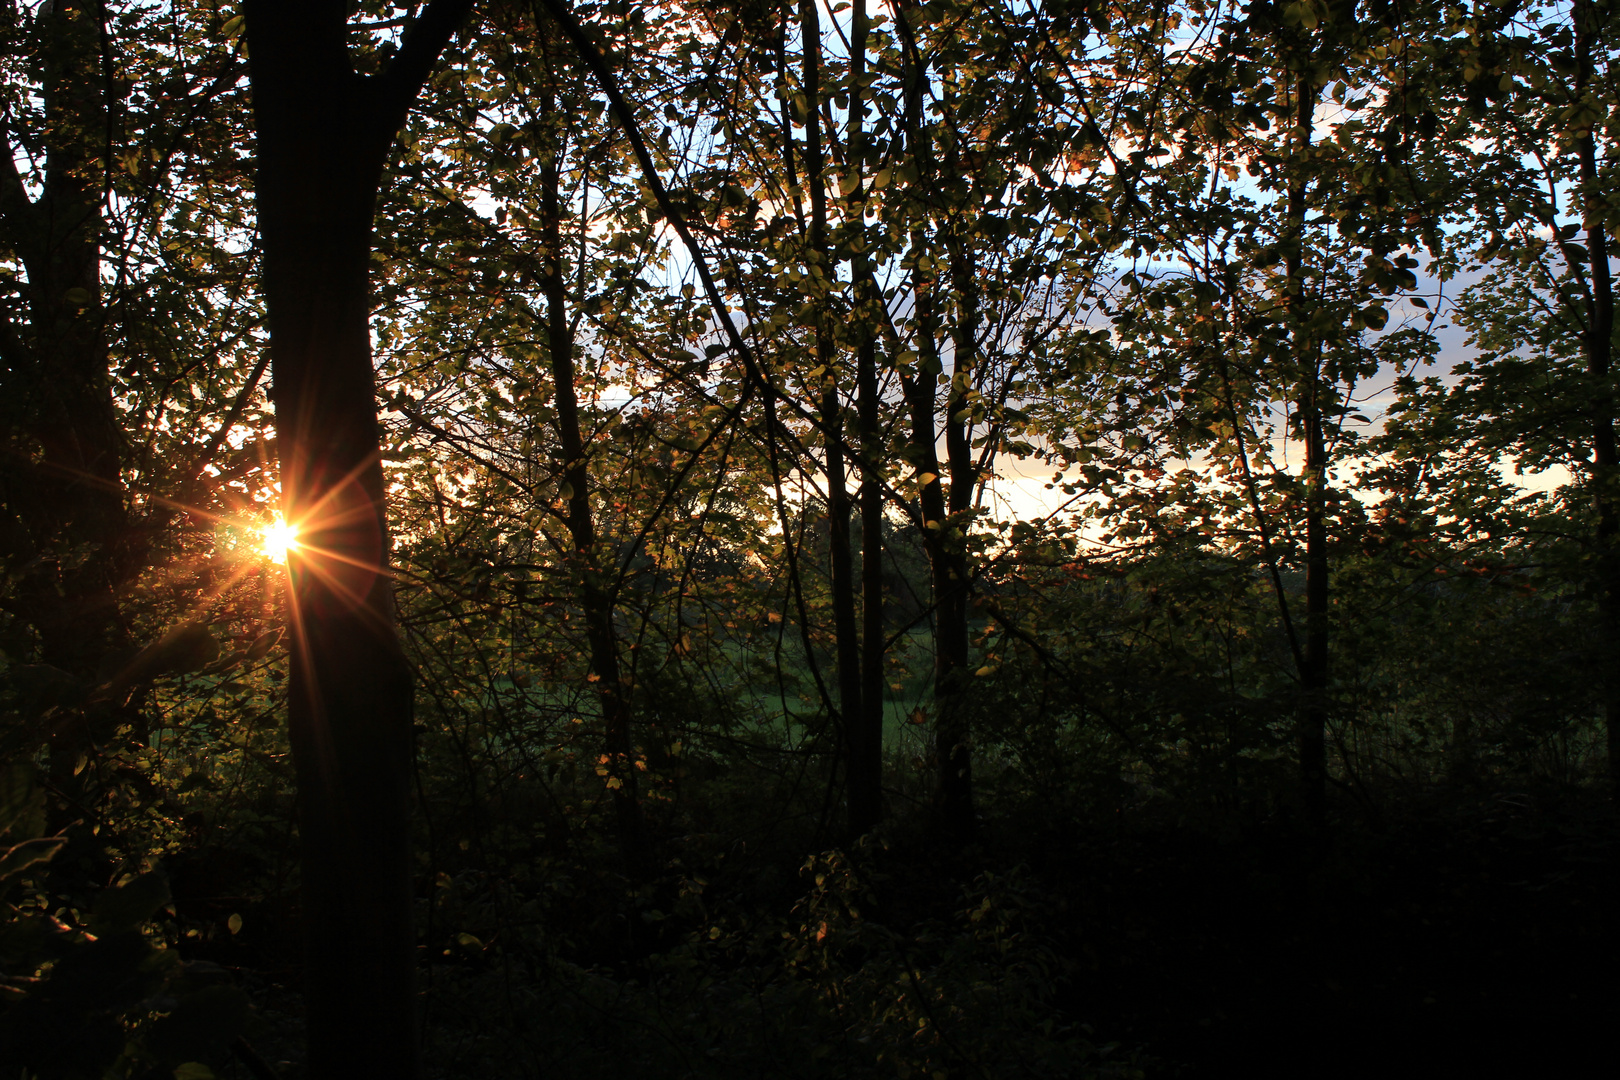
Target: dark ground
1472, 935
1462, 934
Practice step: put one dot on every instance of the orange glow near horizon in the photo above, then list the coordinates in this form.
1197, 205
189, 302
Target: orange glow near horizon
279, 538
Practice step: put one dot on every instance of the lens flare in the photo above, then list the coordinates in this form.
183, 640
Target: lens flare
279, 538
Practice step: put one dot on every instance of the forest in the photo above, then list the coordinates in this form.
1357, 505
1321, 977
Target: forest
808, 538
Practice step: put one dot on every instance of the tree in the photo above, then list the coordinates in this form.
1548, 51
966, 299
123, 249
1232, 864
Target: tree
69, 539
324, 136
1533, 91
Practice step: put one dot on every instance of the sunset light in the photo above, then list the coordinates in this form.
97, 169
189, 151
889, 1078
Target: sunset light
279, 538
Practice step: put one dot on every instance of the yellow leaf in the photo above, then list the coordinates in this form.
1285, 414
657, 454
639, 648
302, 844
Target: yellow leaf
230, 31
234, 923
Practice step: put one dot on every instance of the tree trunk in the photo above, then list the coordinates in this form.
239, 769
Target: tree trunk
946, 565
1598, 344
865, 729
596, 599
323, 136
847, 647
954, 747
69, 531
1312, 732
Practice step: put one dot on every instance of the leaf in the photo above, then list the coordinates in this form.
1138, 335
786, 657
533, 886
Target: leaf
263, 644
232, 28
234, 924
29, 853
196, 1070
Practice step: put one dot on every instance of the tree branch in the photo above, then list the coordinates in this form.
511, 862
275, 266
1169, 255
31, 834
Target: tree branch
424, 40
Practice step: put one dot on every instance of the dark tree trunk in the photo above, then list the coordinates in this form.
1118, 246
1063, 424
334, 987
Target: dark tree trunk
847, 647
596, 599
950, 568
865, 729
324, 133
1598, 344
1312, 731
952, 593
946, 562
69, 533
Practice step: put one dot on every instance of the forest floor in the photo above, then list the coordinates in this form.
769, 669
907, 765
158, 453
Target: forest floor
1464, 935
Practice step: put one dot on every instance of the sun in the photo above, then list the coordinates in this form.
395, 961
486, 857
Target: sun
279, 538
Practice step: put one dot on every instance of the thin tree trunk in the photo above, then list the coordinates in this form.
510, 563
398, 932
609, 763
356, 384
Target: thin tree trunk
947, 568
1314, 673
595, 598
951, 588
1598, 344
865, 729
819, 263
324, 133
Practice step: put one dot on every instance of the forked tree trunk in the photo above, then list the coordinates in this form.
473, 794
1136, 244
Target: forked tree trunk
946, 562
324, 133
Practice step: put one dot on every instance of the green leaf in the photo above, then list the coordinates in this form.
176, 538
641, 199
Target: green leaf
195, 1070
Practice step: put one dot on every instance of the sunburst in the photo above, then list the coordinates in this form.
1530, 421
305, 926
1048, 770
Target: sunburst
279, 538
